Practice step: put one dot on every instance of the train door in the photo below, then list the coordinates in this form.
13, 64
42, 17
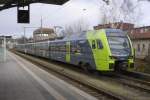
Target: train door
67, 51
99, 55
97, 49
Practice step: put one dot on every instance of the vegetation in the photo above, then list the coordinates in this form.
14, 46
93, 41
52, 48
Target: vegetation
76, 28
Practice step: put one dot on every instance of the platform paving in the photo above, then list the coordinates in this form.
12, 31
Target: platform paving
22, 80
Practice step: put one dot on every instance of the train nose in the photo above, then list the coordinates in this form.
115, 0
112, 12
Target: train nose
124, 66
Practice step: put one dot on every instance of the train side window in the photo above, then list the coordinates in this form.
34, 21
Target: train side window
99, 44
93, 44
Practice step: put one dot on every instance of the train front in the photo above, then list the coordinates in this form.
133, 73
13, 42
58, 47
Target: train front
121, 50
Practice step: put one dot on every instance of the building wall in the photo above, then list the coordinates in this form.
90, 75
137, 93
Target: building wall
142, 48
44, 34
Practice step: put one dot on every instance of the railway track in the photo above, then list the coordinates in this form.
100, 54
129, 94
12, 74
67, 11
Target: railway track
96, 86
131, 82
138, 76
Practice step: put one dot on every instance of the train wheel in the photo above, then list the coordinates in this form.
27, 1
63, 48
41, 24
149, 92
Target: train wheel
87, 68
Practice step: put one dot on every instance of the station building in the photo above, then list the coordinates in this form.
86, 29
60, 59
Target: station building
43, 34
9, 41
141, 41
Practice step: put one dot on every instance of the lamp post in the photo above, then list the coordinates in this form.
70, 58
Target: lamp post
84, 11
106, 1
4, 48
24, 31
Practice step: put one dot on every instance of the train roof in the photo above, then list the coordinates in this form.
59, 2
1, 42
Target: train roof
113, 30
76, 36
82, 36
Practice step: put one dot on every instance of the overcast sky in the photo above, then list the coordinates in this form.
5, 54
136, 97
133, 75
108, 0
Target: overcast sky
54, 15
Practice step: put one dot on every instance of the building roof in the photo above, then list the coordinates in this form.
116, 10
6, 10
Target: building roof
118, 25
44, 30
7, 37
143, 27
135, 36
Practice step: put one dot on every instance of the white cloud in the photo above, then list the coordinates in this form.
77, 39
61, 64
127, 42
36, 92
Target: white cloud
74, 10
145, 15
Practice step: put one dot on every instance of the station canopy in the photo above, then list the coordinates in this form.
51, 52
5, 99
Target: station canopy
6, 4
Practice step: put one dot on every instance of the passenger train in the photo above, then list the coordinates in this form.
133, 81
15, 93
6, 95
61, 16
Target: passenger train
101, 50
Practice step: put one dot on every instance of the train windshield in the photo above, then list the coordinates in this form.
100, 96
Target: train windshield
119, 45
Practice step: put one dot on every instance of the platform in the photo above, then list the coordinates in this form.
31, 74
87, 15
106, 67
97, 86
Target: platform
22, 80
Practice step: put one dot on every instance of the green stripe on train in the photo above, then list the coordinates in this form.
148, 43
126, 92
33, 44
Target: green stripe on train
67, 51
132, 53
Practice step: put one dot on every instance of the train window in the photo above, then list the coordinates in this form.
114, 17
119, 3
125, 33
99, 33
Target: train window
143, 46
78, 49
99, 44
59, 48
71, 48
93, 44
52, 48
138, 47
64, 48
82, 41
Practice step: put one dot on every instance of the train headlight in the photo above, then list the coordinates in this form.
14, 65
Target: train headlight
112, 57
131, 57
111, 65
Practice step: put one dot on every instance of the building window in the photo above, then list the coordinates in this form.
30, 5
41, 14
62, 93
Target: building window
138, 47
143, 46
146, 30
142, 30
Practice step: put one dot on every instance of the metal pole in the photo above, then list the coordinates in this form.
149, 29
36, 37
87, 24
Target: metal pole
24, 34
4, 48
24, 39
55, 29
41, 25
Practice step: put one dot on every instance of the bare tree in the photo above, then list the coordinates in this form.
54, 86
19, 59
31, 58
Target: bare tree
120, 10
131, 10
76, 28
22, 39
68, 31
